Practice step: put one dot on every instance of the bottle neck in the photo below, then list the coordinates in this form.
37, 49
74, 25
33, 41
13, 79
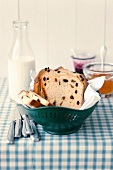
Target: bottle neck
21, 47
20, 30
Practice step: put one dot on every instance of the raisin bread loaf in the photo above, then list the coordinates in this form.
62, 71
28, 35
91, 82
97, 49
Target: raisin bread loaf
60, 71
65, 90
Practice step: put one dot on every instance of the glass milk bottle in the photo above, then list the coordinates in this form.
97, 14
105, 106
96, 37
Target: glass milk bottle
20, 60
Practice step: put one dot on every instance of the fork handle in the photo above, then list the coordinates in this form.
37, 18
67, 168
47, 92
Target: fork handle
11, 133
29, 131
24, 129
18, 128
35, 136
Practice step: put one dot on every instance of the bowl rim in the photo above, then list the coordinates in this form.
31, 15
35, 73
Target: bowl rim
58, 107
85, 66
89, 56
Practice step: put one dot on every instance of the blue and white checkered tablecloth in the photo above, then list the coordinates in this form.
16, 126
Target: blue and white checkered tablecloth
89, 148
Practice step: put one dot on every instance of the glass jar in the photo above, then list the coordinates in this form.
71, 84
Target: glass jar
81, 59
20, 61
93, 70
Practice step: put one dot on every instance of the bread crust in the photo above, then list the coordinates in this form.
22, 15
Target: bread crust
37, 83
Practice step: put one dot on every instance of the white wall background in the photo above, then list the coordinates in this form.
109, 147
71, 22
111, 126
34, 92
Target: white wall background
56, 26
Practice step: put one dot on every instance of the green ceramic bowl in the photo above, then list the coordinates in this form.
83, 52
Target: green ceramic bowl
58, 120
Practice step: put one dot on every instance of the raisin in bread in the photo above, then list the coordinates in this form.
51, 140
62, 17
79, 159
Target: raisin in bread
65, 90
32, 99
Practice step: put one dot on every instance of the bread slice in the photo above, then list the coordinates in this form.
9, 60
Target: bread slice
65, 90
60, 71
30, 102
37, 83
68, 72
32, 99
38, 98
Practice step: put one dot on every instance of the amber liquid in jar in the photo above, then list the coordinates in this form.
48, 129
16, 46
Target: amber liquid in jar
107, 87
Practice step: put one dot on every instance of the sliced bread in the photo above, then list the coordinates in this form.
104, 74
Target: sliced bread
32, 99
68, 72
65, 90
37, 83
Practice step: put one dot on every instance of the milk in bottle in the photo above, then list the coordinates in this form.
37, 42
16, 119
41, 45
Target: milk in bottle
20, 61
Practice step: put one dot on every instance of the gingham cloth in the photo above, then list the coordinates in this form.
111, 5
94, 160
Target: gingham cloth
89, 148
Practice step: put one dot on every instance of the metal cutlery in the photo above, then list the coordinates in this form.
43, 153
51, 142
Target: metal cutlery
21, 124
35, 136
18, 124
11, 131
24, 129
26, 123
